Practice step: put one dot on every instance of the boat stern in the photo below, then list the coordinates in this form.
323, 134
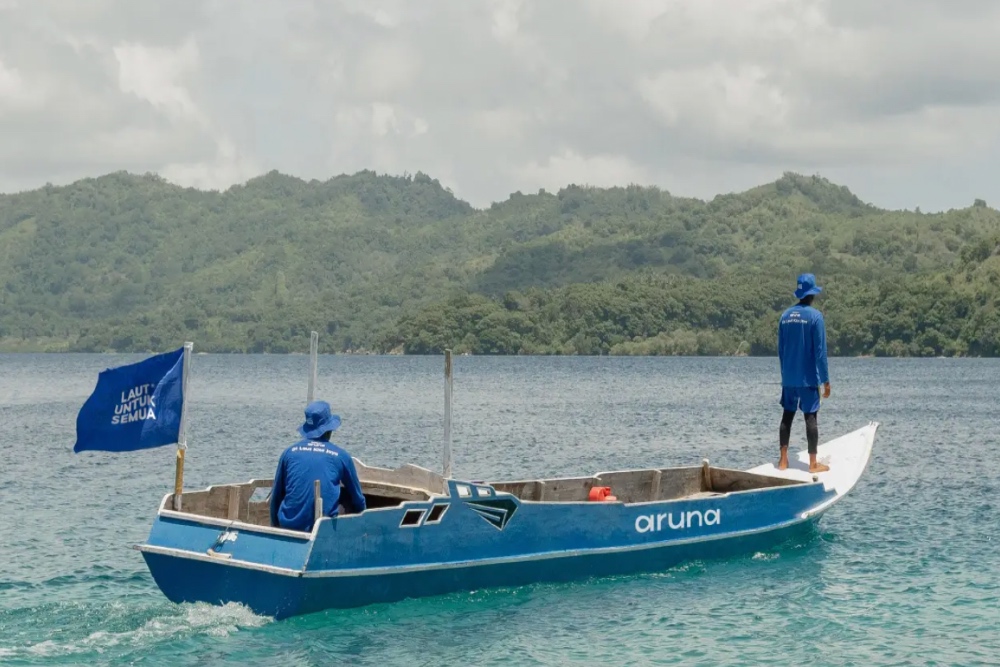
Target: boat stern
201, 559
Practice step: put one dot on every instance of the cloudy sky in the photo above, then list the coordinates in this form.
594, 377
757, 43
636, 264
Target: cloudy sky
897, 99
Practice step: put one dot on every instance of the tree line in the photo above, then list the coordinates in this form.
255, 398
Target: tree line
381, 263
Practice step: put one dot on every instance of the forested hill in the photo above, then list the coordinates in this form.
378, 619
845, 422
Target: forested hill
133, 263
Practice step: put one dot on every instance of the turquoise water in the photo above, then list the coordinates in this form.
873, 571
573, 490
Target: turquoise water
906, 570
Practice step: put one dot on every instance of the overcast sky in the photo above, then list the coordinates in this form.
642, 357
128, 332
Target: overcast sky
897, 99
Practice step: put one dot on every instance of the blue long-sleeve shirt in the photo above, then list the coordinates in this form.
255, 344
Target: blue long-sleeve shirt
300, 465
802, 347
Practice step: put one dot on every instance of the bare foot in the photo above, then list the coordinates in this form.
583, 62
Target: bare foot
818, 467
783, 460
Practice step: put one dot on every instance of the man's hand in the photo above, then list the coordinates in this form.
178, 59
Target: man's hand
826, 390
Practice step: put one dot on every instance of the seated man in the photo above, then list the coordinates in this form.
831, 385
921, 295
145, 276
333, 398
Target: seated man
315, 457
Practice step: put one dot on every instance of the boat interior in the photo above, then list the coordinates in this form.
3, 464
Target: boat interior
248, 502
640, 486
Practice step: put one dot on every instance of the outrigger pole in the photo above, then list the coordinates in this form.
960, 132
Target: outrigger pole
313, 366
182, 429
447, 413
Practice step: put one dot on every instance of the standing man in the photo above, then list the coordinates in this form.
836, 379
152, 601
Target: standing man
802, 352
315, 458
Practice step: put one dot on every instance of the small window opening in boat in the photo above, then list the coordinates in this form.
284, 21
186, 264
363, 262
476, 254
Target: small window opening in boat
483, 490
463, 490
437, 512
412, 517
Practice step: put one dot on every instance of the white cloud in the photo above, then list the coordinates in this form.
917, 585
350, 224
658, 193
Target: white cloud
724, 104
227, 167
154, 75
15, 93
632, 18
386, 68
502, 123
384, 120
11, 85
697, 96
505, 21
388, 15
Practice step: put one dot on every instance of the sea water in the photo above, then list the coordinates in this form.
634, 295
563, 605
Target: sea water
905, 570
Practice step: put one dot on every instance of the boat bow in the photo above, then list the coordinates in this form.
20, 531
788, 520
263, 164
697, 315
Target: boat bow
847, 456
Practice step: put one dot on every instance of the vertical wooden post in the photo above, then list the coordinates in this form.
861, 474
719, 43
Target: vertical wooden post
706, 474
179, 478
182, 430
233, 508
447, 413
317, 502
313, 365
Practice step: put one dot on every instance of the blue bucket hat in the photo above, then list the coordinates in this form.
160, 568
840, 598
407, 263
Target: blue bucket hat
807, 286
319, 420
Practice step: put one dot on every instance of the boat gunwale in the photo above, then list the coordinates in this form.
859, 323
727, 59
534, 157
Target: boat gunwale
436, 498
620, 472
230, 523
640, 503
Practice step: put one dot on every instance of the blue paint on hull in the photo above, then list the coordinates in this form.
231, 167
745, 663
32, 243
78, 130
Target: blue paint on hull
284, 595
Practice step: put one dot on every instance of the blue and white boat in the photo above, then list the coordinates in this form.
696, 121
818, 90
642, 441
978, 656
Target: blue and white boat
427, 534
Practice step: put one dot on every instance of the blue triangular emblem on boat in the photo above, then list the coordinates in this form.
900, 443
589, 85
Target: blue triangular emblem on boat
497, 511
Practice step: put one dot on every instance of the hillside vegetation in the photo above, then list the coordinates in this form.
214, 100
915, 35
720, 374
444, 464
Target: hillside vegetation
380, 263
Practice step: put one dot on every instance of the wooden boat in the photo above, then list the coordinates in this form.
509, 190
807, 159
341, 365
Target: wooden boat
427, 534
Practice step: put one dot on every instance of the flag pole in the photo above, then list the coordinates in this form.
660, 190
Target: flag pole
182, 430
313, 365
447, 414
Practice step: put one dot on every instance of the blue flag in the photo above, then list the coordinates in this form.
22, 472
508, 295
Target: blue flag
134, 407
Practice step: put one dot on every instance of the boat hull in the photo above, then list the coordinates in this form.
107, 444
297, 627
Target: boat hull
474, 536
281, 595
